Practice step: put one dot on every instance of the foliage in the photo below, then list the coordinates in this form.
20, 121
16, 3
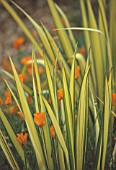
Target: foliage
70, 116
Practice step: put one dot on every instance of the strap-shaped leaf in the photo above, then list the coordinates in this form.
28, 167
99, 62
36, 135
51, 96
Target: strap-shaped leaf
7, 151
69, 117
57, 130
42, 109
102, 10
107, 114
51, 87
26, 88
72, 90
112, 36
40, 32
82, 125
29, 121
14, 96
102, 39
53, 92
95, 43
57, 52
88, 44
67, 24
62, 34
12, 135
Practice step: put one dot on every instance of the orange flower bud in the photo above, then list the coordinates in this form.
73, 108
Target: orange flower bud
21, 115
52, 131
39, 119
22, 138
77, 72
18, 42
82, 50
8, 99
113, 99
60, 94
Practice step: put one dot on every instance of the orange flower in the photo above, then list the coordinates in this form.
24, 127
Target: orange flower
13, 109
25, 60
39, 119
18, 42
21, 115
114, 99
60, 94
77, 72
52, 131
8, 99
21, 78
1, 102
5, 64
82, 50
22, 138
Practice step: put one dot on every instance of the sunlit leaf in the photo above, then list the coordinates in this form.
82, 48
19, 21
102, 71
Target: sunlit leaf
8, 153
